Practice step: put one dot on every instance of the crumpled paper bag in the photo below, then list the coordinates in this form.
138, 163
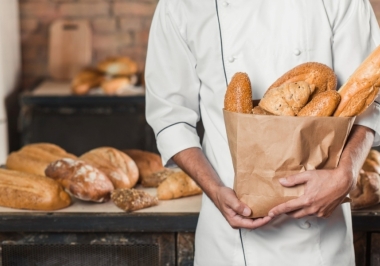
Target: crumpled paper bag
266, 148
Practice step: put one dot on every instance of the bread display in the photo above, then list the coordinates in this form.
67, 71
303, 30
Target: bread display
80, 179
288, 99
323, 104
151, 170
34, 158
85, 80
32, 192
317, 74
116, 165
132, 199
118, 66
238, 97
177, 185
361, 88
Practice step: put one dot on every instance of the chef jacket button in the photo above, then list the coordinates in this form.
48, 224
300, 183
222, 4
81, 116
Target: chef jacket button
231, 59
297, 52
306, 225
225, 4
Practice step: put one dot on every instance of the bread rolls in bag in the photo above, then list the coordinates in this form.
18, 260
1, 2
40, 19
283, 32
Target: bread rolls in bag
238, 96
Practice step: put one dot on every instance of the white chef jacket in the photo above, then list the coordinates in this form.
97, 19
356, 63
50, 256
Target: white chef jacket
195, 47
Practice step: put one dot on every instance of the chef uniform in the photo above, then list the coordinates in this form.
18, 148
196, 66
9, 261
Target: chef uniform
195, 47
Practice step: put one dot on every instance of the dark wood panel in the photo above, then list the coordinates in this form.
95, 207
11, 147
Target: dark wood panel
360, 245
185, 249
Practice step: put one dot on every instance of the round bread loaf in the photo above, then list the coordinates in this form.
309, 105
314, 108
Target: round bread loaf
322, 76
80, 179
323, 104
116, 165
361, 88
238, 96
34, 158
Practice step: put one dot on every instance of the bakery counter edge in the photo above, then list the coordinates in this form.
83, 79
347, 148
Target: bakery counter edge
368, 221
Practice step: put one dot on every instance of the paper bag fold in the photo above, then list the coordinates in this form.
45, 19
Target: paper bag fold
266, 148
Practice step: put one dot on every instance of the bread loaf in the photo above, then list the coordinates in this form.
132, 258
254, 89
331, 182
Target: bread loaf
85, 80
366, 193
288, 99
156, 178
115, 86
361, 88
116, 165
80, 179
148, 164
118, 66
257, 110
372, 162
33, 192
132, 199
238, 96
177, 185
320, 75
323, 104
34, 158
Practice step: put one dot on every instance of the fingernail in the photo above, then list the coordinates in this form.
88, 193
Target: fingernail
246, 211
271, 214
282, 180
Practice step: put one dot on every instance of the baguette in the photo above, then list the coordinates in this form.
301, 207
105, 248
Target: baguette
323, 104
361, 88
33, 192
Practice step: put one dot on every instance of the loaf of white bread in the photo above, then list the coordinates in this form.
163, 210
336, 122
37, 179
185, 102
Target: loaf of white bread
32, 192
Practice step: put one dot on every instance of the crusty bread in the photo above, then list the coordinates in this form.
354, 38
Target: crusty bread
148, 164
361, 88
34, 158
116, 165
288, 99
85, 80
322, 76
132, 199
177, 185
366, 193
238, 96
118, 66
33, 192
372, 162
323, 104
80, 179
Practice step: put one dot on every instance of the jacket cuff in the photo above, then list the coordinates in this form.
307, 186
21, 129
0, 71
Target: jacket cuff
176, 138
370, 118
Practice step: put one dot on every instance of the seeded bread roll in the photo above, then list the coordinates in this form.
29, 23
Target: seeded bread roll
80, 179
34, 158
132, 199
32, 192
288, 99
238, 96
322, 76
362, 87
323, 104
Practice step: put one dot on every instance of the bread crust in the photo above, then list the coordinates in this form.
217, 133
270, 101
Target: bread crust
29, 191
118, 66
85, 80
116, 165
238, 96
322, 76
323, 104
34, 158
132, 199
177, 185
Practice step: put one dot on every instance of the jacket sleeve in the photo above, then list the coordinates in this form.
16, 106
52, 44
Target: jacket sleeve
172, 86
355, 35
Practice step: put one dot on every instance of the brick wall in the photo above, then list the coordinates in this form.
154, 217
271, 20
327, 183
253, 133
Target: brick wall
120, 27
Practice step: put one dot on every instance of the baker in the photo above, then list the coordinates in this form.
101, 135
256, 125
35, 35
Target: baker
195, 47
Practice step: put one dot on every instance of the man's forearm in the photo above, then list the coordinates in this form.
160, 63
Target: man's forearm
195, 163
355, 152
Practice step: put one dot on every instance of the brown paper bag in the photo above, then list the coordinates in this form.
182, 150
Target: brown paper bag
266, 148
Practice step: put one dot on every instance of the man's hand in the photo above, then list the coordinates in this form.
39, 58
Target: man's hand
324, 191
235, 211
